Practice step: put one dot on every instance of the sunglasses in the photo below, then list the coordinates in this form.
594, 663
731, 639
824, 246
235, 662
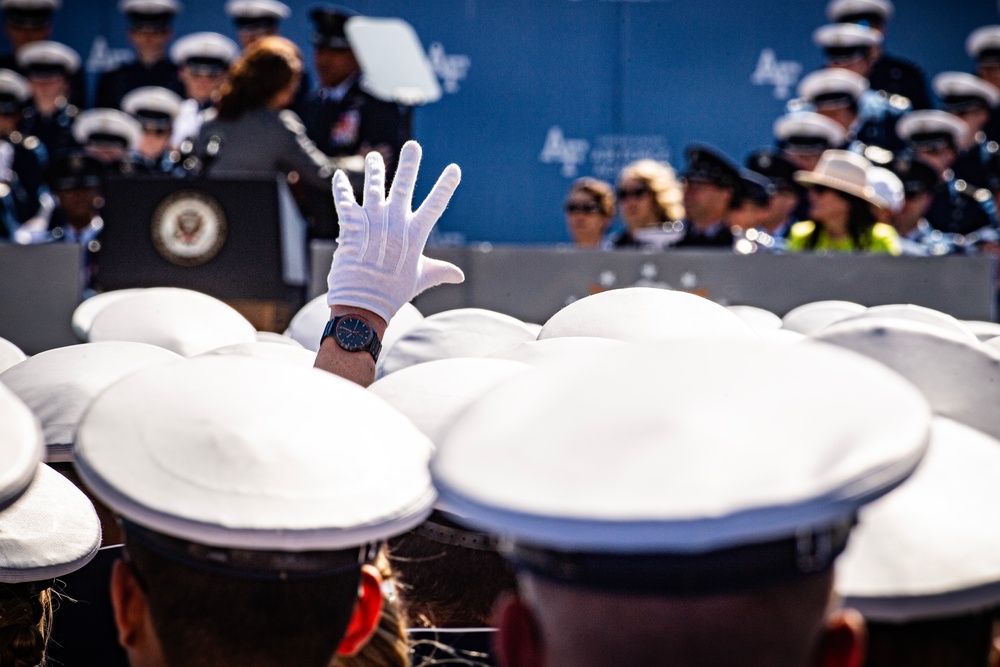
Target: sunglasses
156, 131
581, 208
628, 194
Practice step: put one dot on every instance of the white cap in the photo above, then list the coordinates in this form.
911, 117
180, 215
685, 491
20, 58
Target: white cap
637, 314
48, 55
277, 352
152, 102
915, 313
21, 446
58, 385
83, 316
837, 9
240, 453
927, 549
149, 6
209, 46
463, 332
887, 186
568, 349
12, 83
51, 5
10, 354
100, 125
48, 532
257, 9
963, 84
180, 320
932, 122
832, 81
807, 124
758, 319
810, 318
625, 455
281, 339
984, 331
846, 35
959, 377
982, 39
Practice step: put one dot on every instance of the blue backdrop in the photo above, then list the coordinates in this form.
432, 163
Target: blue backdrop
541, 91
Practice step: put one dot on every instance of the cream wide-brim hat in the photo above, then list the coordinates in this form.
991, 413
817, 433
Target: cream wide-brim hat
843, 171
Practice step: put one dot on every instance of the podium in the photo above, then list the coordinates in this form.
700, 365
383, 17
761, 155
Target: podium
237, 239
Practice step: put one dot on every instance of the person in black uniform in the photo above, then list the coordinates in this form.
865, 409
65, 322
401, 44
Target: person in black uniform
893, 75
920, 181
973, 100
30, 21
787, 196
155, 109
711, 190
983, 46
111, 137
28, 159
49, 66
150, 30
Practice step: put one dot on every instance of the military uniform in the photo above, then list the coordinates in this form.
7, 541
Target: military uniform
878, 114
29, 164
708, 165
77, 86
55, 132
896, 76
979, 165
112, 86
958, 208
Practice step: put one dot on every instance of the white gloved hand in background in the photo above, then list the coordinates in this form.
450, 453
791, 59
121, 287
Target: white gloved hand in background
379, 263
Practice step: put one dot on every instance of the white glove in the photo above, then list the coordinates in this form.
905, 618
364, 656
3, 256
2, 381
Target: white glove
379, 263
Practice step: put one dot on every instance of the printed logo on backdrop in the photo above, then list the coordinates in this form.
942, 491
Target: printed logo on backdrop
450, 68
782, 74
570, 153
103, 58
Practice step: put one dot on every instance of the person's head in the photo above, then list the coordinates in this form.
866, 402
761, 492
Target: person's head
934, 137
75, 180
107, 134
803, 136
203, 60
15, 92
840, 197
869, 13
968, 97
786, 193
254, 19
388, 645
589, 207
155, 108
834, 93
919, 182
648, 194
332, 56
266, 75
48, 67
27, 21
150, 26
850, 47
711, 186
750, 207
983, 46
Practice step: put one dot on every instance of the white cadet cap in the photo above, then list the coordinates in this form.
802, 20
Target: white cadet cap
929, 125
846, 35
281, 339
152, 104
51, 5
959, 377
832, 84
14, 85
149, 7
432, 394
180, 320
107, 126
800, 126
238, 453
463, 332
585, 460
810, 318
257, 9
758, 319
635, 314
984, 330
83, 316
279, 352
782, 336
887, 186
928, 549
207, 49
10, 354
555, 350
50, 531
986, 38
58, 385
21, 446
959, 90
48, 57
915, 313
836, 10
308, 323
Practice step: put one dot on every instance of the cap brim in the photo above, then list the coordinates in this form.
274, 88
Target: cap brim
866, 193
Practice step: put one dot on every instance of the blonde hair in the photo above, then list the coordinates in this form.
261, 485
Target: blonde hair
662, 182
388, 646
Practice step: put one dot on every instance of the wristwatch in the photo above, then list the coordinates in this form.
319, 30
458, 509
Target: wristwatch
354, 334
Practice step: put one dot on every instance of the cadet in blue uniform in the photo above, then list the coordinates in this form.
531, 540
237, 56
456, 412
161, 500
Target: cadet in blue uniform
30, 21
893, 75
983, 46
155, 109
150, 29
112, 138
204, 59
957, 207
23, 177
711, 190
973, 100
920, 182
48, 66
340, 117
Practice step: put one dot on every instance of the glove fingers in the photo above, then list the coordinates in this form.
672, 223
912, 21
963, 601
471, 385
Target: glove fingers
401, 194
438, 199
374, 181
436, 272
343, 193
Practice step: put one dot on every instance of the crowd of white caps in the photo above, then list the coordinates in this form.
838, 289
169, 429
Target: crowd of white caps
634, 420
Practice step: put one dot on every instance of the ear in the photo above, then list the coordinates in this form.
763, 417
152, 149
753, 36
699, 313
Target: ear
518, 640
131, 608
843, 641
367, 612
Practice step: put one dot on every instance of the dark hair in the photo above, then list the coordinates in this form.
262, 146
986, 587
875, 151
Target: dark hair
204, 619
25, 619
265, 69
960, 641
602, 192
860, 221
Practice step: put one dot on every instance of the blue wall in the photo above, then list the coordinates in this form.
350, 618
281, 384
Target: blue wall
559, 88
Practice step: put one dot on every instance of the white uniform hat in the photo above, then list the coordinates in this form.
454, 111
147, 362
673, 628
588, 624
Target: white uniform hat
915, 313
838, 10
295, 355
984, 43
10, 354
249, 10
758, 319
14, 91
50, 5
207, 51
926, 550
831, 86
83, 316
152, 105
21, 446
808, 129
107, 126
887, 186
929, 127
180, 320
48, 58
149, 6
810, 318
58, 385
961, 92
636, 314
846, 36
619, 473
567, 349
984, 331
238, 453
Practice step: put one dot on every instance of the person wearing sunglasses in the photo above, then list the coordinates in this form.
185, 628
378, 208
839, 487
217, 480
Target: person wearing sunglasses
589, 207
973, 100
649, 203
155, 108
841, 204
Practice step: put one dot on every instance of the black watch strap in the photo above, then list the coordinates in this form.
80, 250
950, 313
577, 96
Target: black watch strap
373, 345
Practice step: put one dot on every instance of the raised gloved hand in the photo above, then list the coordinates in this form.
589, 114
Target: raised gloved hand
379, 262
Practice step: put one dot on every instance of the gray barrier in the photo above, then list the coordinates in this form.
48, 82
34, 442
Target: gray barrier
40, 287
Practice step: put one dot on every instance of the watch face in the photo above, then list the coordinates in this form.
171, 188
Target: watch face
353, 333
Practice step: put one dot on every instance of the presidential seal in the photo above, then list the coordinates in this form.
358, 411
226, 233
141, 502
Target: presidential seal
188, 228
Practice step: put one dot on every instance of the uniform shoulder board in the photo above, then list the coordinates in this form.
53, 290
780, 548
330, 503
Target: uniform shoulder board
71, 111
900, 102
31, 143
982, 195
